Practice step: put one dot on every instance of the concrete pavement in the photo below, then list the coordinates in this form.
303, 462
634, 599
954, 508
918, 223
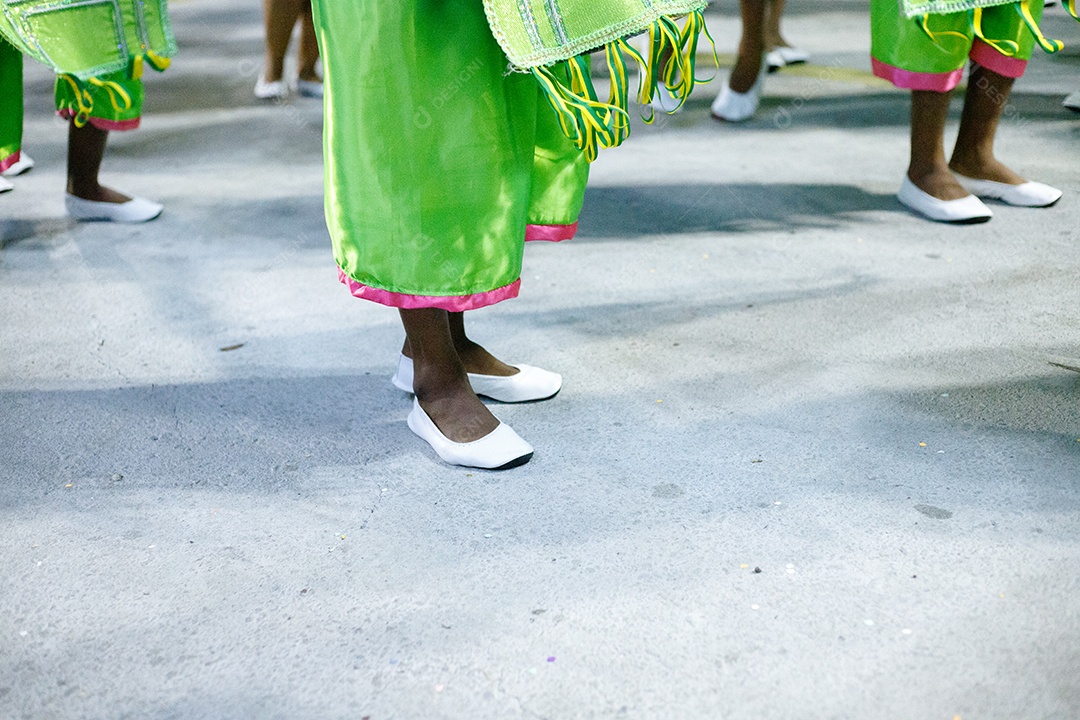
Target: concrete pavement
210, 506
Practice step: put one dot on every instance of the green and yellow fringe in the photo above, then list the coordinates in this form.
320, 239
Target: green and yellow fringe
1005, 47
670, 61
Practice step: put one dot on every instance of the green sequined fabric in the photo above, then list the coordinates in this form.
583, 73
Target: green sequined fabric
536, 33
88, 38
913, 8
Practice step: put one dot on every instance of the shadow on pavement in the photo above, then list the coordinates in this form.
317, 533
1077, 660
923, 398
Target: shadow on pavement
633, 211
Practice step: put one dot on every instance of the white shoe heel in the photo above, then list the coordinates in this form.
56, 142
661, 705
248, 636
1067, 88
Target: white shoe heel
501, 449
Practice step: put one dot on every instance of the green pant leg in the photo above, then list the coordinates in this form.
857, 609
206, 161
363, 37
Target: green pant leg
11, 104
560, 172
1003, 24
115, 105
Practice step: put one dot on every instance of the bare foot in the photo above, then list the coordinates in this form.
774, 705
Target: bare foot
476, 360
985, 169
938, 182
100, 194
746, 71
453, 407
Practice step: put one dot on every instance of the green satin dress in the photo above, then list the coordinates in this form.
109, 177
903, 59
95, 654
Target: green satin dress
439, 163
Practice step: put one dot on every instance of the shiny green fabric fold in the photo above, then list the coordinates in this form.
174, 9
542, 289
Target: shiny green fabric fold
437, 161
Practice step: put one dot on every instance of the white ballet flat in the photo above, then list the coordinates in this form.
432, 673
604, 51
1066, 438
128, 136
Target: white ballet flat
736, 106
25, 163
309, 88
1072, 102
966, 210
792, 55
5, 186
501, 449
267, 90
135, 210
529, 384
1029, 194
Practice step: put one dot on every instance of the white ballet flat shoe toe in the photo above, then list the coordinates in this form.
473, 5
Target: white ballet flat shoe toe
24, 164
5, 186
1030, 194
267, 90
135, 210
527, 385
501, 449
309, 88
964, 211
792, 55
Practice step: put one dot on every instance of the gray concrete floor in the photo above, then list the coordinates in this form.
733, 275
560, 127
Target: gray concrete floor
769, 365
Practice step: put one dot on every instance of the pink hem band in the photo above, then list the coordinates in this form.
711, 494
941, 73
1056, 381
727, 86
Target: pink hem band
452, 303
100, 124
10, 160
985, 54
910, 80
550, 233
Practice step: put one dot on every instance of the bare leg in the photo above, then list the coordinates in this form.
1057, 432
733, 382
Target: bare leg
86, 148
928, 168
973, 156
439, 379
474, 357
773, 38
280, 18
307, 54
751, 46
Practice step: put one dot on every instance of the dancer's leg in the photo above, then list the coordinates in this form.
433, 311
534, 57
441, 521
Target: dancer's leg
439, 378
279, 17
307, 53
973, 156
929, 169
474, 358
86, 148
751, 46
773, 37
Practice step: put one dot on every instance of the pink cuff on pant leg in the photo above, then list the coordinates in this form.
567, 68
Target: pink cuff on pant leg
985, 54
101, 124
10, 160
910, 80
550, 233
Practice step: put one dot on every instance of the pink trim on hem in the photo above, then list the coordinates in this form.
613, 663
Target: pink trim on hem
984, 54
910, 80
550, 233
100, 124
452, 303
10, 160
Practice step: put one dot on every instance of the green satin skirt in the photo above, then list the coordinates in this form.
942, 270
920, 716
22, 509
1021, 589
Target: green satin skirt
11, 104
439, 164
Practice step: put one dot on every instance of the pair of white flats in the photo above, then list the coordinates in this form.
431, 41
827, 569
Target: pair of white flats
970, 209
279, 89
500, 449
